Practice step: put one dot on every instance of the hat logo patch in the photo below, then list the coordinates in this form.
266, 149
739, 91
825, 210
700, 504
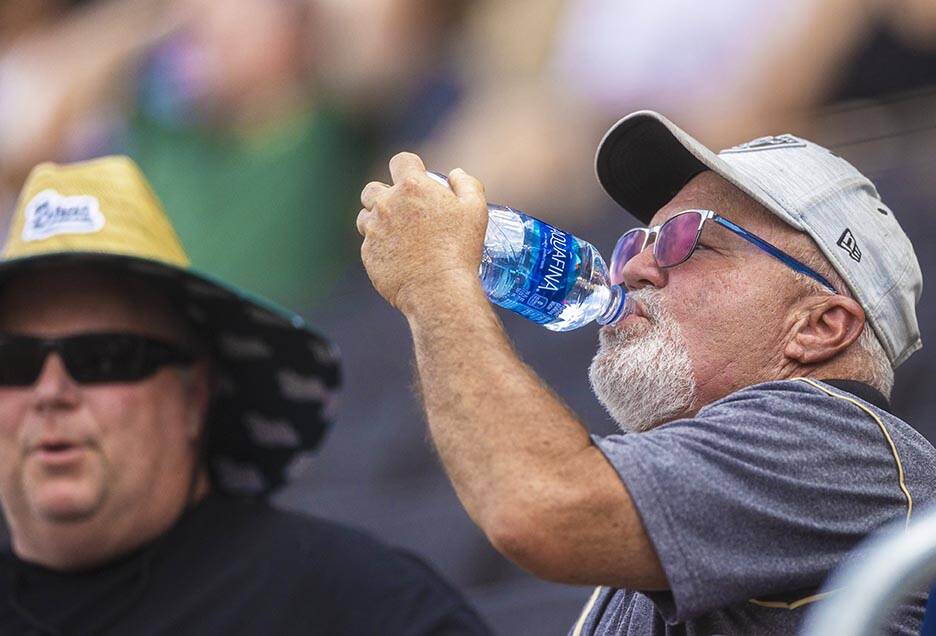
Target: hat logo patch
50, 213
848, 243
767, 143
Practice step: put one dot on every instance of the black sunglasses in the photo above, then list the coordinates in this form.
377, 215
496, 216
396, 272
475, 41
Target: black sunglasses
90, 358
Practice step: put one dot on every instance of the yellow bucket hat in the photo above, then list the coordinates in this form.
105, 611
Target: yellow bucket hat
277, 377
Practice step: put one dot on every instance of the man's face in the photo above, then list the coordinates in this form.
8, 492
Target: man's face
71, 453
711, 325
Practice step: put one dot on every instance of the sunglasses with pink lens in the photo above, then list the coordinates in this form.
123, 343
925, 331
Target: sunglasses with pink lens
676, 240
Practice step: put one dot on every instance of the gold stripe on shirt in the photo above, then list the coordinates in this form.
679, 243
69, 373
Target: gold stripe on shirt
577, 631
893, 448
900, 480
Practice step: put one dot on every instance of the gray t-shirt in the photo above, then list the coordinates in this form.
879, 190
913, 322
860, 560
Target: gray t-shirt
751, 504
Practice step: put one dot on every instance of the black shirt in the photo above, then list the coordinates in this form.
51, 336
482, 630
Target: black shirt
231, 566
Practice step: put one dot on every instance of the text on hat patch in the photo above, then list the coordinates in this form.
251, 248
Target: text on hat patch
50, 213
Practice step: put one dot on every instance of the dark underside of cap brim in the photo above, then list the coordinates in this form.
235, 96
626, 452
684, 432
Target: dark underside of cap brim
276, 376
642, 166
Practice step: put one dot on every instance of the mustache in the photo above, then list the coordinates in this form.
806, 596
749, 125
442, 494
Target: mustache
651, 302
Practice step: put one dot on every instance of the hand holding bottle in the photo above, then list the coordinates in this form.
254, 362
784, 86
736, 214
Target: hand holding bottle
419, 238
422, 241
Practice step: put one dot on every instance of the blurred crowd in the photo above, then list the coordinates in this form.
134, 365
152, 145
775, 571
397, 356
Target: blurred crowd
259, 121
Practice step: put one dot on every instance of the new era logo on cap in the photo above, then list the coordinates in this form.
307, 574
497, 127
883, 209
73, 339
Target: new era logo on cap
848, 243
50, 213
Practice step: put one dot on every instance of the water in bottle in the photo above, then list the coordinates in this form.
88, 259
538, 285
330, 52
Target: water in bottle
544, 274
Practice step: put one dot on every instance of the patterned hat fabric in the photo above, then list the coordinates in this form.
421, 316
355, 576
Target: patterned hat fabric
276, 377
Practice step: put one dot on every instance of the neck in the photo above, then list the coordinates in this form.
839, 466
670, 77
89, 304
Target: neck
91, 542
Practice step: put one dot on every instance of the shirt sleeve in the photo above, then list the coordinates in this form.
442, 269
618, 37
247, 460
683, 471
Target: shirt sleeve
757, 496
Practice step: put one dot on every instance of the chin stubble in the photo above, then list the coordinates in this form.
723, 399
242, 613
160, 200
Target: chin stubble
642, 374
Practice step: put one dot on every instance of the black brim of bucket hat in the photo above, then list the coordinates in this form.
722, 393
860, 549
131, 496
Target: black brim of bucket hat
642, 164
276, 377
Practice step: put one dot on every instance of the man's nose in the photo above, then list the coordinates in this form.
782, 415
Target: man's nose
642, 270
55, 388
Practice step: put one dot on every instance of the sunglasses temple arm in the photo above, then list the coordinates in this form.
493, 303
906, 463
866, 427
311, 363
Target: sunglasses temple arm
776, 252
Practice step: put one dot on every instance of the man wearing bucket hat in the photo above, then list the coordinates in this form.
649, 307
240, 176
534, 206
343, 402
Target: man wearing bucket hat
146, 411
775, 293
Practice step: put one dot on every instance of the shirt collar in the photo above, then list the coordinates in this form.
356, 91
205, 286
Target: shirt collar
865, 391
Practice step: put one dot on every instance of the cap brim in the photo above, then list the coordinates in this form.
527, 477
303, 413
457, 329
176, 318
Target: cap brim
644, 160
276, 376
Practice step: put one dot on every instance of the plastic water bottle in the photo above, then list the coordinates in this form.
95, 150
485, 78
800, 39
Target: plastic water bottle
544, 274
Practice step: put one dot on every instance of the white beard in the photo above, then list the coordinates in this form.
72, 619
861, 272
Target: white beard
643, 379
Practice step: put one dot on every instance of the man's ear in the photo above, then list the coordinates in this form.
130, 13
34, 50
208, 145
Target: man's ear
201, 391
828, 328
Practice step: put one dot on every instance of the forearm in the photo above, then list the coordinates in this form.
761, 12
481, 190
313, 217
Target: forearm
523, 466
503, 436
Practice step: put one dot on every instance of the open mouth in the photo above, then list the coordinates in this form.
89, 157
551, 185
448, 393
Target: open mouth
53, 447
58, 451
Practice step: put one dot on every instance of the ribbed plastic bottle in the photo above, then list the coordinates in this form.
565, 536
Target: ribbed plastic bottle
544, 274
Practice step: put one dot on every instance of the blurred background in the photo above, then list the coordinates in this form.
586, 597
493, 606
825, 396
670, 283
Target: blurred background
259, 121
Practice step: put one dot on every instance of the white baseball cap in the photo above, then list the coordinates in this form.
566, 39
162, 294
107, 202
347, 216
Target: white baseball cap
645, 159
